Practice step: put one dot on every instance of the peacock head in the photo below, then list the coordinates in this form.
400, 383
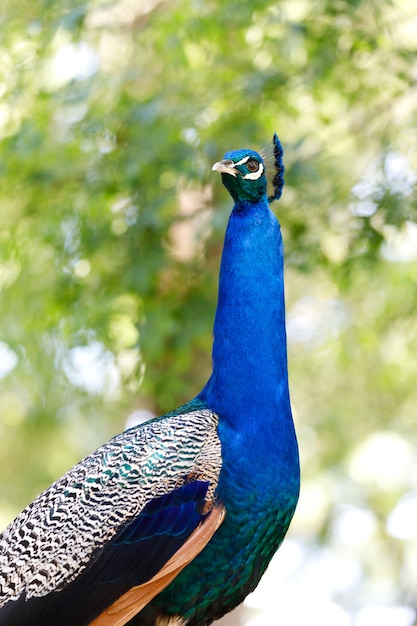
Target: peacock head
248, 175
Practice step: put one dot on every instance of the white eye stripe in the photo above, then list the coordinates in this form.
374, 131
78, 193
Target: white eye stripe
242, 161
254, 175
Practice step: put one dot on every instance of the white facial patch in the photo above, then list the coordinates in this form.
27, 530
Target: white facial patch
253, 175
242, 161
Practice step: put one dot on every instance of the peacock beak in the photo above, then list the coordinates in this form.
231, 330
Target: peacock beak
225, 167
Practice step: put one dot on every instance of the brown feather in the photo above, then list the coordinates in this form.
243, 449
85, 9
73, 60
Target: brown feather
170, 621
134, 600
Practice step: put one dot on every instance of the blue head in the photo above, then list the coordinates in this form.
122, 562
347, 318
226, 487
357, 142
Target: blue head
248, 175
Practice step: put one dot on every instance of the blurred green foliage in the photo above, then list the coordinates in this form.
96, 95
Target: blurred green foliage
111, 227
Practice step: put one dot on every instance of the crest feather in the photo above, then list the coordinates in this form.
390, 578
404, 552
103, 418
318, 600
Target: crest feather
274, 168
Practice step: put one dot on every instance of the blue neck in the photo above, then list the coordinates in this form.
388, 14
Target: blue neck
249, 380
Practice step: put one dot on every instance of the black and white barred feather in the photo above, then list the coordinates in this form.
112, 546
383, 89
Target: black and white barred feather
52, 541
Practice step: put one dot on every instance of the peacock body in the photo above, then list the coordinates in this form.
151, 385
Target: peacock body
176, 520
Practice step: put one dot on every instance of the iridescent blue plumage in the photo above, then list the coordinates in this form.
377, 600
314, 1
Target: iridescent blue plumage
138, 527
248, 390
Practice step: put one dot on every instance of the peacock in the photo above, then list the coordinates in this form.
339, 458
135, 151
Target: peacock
174, 521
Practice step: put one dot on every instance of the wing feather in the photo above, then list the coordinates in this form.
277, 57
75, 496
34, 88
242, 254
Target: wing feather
134, 600
54, 541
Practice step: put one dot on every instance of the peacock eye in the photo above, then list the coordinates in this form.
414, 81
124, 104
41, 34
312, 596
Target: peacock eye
252, 165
